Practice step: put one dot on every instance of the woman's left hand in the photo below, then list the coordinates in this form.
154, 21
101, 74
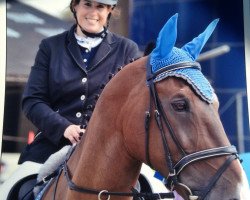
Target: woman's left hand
74, 133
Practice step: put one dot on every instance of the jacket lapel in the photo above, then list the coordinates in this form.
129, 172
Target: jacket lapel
74, 49
103, 50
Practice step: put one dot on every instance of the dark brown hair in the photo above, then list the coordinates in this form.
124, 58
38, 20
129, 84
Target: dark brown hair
115, 12
73, 3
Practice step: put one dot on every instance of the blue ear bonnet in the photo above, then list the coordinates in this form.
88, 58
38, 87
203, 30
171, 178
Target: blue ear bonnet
166, 54
176, 56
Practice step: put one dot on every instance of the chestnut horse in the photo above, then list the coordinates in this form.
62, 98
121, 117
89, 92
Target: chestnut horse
162, 111
110, 157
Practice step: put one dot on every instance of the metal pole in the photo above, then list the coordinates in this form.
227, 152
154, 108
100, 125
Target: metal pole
239, 119
214, 52
246, 5
2, 64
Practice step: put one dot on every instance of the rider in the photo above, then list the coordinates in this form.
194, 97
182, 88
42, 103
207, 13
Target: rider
68, 75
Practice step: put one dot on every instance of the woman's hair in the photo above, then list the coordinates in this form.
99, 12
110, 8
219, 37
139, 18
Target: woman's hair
73, 3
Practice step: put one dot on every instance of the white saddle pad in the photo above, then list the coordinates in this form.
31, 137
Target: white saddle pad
25, 169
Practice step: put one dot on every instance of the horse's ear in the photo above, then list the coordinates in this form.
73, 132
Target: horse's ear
166, 39
194, 47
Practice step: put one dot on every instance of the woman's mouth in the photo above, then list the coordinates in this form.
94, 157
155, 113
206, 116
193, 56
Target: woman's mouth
91, 19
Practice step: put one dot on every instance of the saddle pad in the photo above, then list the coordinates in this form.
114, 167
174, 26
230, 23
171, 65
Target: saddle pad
26, 169
46, 186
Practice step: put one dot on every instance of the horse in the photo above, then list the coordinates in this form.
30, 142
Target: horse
111, 154
164, 124
147, 116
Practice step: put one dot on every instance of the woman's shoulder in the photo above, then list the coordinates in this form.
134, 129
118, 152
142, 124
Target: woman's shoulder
117, 38
57, 37
124, 44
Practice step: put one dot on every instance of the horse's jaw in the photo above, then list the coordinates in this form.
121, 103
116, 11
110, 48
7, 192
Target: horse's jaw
231, 185
240, 192
237, 190
242, 189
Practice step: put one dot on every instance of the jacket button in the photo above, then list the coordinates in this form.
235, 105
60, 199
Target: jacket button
83, 97
111, 75
78, 114
102, 86
84, 80
97, 96
90, 107
87, 117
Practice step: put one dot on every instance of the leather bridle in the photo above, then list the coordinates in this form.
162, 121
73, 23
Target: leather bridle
161, 119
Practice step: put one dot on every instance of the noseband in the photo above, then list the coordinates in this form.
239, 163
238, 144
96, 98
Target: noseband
161, 118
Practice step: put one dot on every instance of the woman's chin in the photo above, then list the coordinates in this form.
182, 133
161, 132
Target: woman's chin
93, 30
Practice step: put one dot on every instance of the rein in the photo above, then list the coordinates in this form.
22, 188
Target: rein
160, 117
135, 194
72, 186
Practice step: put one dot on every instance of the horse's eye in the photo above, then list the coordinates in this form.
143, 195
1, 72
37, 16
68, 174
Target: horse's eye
180, 105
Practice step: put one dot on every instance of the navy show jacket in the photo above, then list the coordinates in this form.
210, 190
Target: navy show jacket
60, 90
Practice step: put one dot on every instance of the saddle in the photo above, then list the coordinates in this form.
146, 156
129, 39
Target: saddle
22, 190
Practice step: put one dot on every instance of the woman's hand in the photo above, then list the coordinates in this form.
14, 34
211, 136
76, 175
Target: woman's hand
74, 133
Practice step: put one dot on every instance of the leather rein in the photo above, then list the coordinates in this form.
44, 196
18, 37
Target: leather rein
135, 194
175, 169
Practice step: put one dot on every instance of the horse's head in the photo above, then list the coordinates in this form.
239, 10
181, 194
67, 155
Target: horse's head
185, 139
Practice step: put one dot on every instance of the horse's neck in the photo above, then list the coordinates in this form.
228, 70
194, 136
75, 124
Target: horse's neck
103, 161
104, 164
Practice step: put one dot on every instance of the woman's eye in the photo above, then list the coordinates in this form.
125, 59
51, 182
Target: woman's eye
88, 4
180, 105
101, 6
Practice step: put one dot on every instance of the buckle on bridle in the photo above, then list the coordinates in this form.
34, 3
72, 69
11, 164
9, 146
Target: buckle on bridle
44, 180
171, 174
157, 114
100, 195
193, 197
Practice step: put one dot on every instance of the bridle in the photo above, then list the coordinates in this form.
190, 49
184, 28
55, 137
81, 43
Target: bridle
161, 118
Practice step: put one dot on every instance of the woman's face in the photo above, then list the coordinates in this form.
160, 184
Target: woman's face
91, 15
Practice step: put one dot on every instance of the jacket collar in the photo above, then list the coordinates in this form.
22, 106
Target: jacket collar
105, 47
73, 47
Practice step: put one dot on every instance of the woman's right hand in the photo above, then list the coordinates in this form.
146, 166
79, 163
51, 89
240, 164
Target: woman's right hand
74, 133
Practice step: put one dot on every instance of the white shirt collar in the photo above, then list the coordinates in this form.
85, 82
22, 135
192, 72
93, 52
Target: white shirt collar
88, 42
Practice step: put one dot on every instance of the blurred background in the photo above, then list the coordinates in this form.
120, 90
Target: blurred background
222, 59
